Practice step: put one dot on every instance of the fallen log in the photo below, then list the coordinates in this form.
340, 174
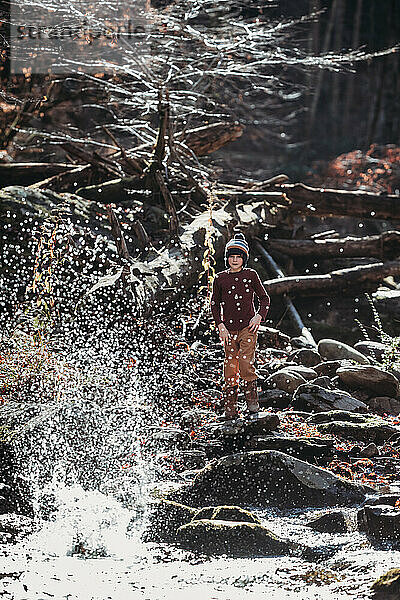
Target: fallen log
306, 200
385, 245
75, 177
298, 198
361, 277
28, 173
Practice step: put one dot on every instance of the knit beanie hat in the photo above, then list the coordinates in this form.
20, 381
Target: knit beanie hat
237, 245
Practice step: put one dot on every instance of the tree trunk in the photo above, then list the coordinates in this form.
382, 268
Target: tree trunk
347, 119
309, 201
325, 48
336, 113
29, 173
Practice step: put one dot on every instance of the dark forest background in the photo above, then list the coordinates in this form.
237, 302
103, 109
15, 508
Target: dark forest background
331, 112
337, 112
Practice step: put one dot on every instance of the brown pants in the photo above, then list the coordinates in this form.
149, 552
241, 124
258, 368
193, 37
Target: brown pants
239, 357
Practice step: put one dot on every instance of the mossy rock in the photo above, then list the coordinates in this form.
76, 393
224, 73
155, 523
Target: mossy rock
387, 586
165, 518
372, 431
226, 513
233, 538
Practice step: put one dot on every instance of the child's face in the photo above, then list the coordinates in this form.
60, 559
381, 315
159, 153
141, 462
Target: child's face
235, 262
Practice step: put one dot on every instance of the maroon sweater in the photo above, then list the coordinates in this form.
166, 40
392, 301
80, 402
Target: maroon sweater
234, 293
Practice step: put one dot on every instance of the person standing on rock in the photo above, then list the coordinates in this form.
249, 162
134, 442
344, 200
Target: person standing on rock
233, 292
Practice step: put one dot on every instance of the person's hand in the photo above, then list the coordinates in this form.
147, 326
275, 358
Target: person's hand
224, 334
255, 323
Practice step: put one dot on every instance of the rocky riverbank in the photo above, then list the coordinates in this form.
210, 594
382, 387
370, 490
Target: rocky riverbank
326, 437
324, 448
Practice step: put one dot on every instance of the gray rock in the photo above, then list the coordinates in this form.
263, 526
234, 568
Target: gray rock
384, 405
323, 381
370, 431
387, 586
306, 357
274, 398
233, 538
194, 417
328, 368
259, 423
285, 380
370, 451
363, 427
334, 350
340, 415
370, 378
301, 342
381, 522
268, 478
374, 350
387, 499
334, 522
388, 301
315, 398
303, 448
305, 372
183, 460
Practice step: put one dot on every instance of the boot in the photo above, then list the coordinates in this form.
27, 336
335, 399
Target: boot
251, 395
230, 402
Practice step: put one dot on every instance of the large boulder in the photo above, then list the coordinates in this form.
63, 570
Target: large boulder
334, 350
267, 478
228, 537
311, 397
382, 522
370, 378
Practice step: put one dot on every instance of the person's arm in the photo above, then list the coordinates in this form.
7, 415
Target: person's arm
262, 295
216, 311
216, 302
